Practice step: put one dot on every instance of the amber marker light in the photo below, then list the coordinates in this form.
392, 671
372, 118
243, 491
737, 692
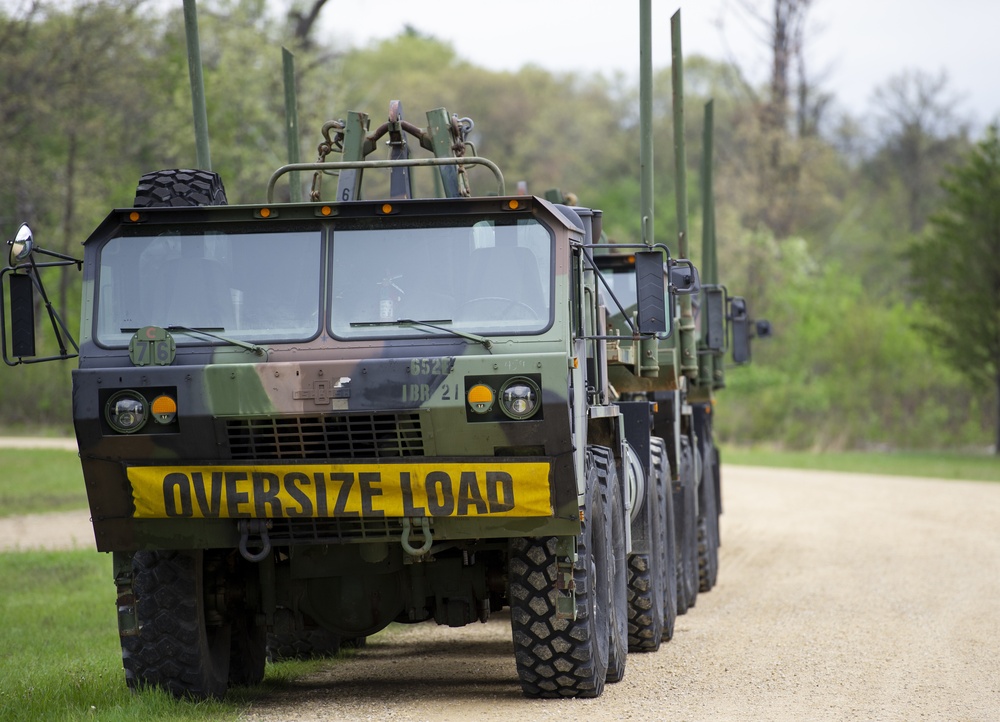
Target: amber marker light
326, 210
513, 204
134, 216
164, 409
387, 208
265, 213
481, 398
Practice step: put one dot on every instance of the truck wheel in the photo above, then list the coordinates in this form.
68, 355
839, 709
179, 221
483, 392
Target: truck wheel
176, 648
645, 575
307, 644
687, 530
617, 587
708, 530
660, 472
180, 187
559, 657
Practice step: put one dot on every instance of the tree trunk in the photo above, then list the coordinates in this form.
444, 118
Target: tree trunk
68, 220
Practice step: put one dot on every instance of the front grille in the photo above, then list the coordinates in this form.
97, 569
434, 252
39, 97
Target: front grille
345, 436
336, 530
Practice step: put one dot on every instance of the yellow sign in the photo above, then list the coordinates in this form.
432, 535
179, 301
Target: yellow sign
341, 490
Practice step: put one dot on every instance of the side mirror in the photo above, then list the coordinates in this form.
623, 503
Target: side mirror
25, 292
22, 316
684, 279
715, 317
740, 323
651, 305
22, 245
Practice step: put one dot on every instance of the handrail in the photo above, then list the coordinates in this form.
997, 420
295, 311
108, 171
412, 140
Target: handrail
410, 162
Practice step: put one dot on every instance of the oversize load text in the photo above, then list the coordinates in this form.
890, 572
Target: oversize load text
350, 491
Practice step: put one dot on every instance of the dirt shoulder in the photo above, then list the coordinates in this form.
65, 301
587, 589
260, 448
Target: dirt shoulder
59, 530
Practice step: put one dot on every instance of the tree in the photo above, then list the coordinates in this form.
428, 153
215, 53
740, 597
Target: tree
956, 268
921, 132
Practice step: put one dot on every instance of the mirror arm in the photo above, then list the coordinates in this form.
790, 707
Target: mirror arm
54, 318
68, 259
607, 287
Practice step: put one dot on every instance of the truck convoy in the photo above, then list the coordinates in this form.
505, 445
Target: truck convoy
305, 421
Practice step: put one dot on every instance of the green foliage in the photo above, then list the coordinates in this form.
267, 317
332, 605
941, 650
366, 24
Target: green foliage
956, 266
843, 371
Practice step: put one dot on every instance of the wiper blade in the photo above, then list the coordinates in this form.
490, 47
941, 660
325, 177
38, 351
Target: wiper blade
434, 323
259, 350
210, 332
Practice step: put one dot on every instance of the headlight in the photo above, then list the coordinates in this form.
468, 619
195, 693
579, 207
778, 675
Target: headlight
519, 398
126, 412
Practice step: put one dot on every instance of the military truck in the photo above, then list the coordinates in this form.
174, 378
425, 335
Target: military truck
322, 417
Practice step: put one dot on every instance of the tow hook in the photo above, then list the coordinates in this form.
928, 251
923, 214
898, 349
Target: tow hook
425, 530
257, 527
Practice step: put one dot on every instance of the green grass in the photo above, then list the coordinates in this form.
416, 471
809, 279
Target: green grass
62, 659
36, 481
940, 465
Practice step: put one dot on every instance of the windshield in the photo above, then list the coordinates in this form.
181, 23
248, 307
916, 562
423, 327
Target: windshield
621, 280
488, 277
247, 286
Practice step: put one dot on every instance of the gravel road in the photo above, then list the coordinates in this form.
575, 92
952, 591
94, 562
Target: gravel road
840, 597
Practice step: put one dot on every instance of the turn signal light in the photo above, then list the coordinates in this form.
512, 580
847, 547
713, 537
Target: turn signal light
164, 409
480, 398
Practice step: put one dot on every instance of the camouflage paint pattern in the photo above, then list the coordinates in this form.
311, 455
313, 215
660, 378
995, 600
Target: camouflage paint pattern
247, 421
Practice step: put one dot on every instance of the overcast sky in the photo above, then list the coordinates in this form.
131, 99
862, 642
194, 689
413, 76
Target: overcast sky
853, 45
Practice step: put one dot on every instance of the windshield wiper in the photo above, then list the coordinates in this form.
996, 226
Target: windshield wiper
210, 332
433, 323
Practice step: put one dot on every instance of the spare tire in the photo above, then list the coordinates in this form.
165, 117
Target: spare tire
180, 187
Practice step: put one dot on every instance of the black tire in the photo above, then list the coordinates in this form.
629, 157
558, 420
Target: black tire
617, 571
180, 187
646, 581
708, 529
175, 648
661, 476
306, 644
687, 529
558, 657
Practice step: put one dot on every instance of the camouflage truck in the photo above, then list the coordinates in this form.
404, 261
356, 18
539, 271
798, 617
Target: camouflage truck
300, 422
340, 415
